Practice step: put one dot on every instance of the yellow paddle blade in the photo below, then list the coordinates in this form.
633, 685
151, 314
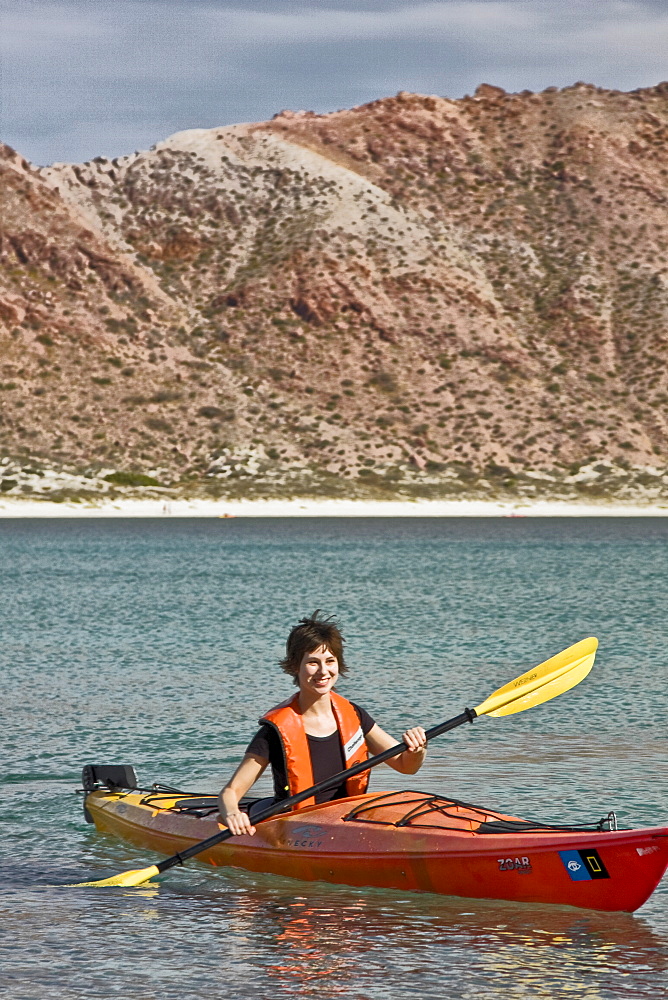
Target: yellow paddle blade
553, 677
135, 877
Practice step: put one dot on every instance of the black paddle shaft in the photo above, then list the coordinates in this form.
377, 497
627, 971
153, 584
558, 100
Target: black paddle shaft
468, 715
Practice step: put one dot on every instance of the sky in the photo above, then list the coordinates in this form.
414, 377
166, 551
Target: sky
82, 78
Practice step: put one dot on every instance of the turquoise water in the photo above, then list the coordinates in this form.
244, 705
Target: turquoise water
155, 642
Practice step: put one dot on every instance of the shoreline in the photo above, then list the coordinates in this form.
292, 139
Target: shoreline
163, 508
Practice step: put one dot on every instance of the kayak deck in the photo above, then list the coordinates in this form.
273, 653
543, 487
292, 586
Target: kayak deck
407, 840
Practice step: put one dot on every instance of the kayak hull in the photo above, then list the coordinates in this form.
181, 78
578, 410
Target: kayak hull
368, 841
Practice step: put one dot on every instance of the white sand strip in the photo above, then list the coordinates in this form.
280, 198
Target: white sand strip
10, 507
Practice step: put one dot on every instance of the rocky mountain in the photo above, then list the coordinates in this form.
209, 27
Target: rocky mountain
418, 295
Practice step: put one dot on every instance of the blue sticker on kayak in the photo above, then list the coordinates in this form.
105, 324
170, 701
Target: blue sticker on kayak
582, 866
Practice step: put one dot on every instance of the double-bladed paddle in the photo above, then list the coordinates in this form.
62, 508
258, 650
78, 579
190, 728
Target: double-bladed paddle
549, 679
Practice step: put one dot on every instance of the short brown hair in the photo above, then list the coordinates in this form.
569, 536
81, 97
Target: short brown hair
309, 634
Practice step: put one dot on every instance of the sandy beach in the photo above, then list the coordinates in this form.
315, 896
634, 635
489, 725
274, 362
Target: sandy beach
20, 508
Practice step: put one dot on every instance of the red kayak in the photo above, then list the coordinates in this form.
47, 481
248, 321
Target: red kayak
407, 840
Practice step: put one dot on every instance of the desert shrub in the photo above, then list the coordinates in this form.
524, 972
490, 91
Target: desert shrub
166, 396
384, 381
159, 424
495, 470
240, 364
131, 479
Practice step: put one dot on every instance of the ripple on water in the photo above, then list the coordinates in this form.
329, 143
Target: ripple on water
155, 644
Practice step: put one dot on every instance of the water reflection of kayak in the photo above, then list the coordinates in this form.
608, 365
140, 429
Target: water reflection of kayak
406, 840
323, 939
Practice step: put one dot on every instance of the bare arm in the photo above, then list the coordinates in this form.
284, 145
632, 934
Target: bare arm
245, 776
408, 762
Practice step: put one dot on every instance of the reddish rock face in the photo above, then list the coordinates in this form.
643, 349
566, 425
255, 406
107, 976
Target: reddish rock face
388, 293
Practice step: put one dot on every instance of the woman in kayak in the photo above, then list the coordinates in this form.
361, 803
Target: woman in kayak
314, 734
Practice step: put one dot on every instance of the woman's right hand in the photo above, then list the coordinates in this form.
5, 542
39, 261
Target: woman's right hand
238, 823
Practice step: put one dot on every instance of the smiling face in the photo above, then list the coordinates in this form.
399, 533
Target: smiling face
308, 637
318, 671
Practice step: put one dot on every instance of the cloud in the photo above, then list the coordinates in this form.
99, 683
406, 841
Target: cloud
80, 77
334, 25
144, 23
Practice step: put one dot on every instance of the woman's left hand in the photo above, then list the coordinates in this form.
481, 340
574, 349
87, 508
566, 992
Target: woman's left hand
415, 739
410, 760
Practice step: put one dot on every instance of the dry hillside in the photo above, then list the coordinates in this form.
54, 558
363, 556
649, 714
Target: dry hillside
418, 295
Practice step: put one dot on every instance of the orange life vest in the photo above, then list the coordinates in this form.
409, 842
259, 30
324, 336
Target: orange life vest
286, 718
